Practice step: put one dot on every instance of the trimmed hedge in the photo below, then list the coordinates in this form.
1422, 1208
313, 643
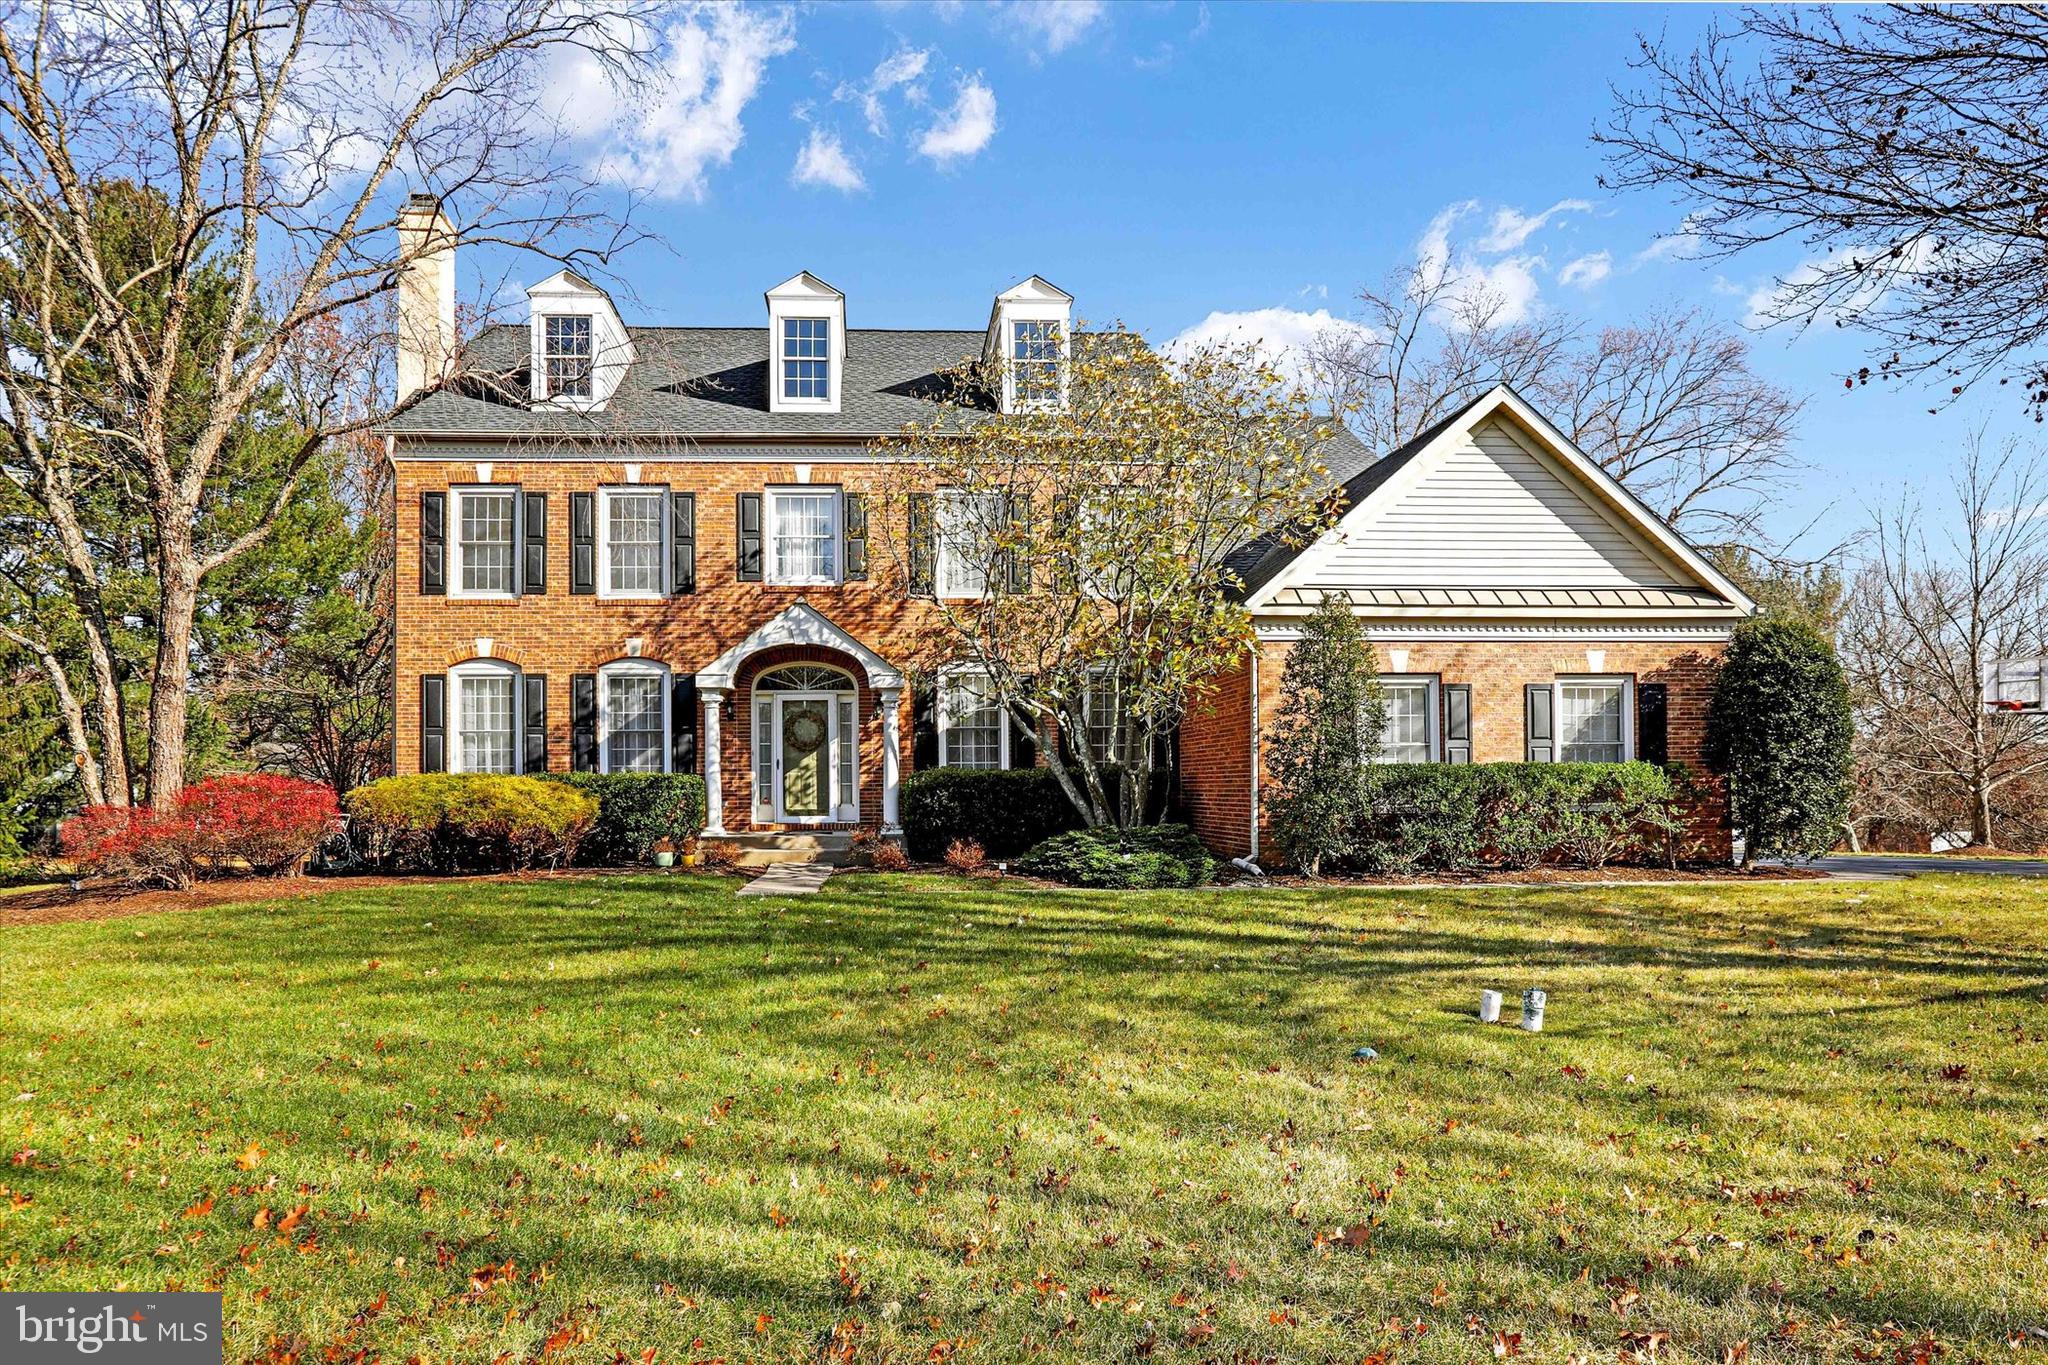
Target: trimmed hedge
265, 822
1142, 858
635, 811
1439, 817
467, 822
1005, 810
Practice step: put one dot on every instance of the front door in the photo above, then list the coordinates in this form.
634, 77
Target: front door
803, 756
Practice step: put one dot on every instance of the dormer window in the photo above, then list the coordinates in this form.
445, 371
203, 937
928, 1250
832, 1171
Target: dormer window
1027, 345
807, 359
566, 351
1035, 362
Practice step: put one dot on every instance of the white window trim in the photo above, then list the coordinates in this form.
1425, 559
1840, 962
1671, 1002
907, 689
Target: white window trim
769, 498
642, 668
1003, 726
452, 720
1433, 713
830, 400
456, 494
941, 545
541, 388
1628, 710
1057, 402
604, 541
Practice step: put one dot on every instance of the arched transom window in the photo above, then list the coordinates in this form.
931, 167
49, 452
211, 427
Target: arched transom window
804, 678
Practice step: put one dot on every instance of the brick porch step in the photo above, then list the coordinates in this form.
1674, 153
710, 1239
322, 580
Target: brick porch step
767, 848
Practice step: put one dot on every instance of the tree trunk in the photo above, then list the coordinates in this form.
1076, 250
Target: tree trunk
117, 780
170, 681
1980, 813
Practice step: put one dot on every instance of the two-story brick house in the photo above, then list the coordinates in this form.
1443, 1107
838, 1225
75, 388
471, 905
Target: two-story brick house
625, 547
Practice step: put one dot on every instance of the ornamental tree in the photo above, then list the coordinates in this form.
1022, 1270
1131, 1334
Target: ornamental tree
1325, 739
1076, 553
1780, 728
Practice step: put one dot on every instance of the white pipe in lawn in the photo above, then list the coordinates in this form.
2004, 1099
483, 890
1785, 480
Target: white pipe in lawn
1532, 1010
1489, 1007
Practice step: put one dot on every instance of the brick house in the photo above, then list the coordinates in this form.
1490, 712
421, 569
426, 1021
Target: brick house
625, 547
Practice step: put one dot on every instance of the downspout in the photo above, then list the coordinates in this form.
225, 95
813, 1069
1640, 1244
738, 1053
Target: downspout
1254, 708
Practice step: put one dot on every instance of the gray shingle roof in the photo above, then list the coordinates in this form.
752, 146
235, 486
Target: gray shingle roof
697, 381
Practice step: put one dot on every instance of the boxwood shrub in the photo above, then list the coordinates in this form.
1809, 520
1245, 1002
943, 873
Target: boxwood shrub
1005, 810
635, 811
1436, 817
1142, 858
468, 822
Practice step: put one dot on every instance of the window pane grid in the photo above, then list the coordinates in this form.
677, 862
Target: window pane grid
967, 527
849, 744
806, 358
764, 753
974, 727
633, 535
1100, 708
566, 348
486, 539
1405, 739
485, 725
1035, 360
806, 537
634, 723
1589, 723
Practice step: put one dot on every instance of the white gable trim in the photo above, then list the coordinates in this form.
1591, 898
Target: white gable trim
1629, 511
800, 623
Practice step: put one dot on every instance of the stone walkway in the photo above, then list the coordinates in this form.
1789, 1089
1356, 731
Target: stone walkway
789, 879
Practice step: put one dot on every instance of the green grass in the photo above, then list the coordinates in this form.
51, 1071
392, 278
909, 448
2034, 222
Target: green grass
941, 1117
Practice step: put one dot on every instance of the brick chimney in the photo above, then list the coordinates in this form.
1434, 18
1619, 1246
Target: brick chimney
426, 295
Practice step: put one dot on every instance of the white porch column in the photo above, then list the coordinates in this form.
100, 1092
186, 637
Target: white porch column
714, 784
892, 759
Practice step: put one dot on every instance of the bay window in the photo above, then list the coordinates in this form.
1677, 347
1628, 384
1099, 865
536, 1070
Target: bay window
803, 535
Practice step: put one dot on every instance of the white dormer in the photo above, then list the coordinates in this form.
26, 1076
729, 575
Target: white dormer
580, 347
806, 345
1028, 343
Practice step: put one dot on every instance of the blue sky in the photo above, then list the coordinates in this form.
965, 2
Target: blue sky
1167, 161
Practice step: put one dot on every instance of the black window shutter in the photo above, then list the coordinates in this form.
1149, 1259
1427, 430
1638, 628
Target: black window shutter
536, 737
921, 545
1023, 742
1653, 723
924, 728
682, 530
749, 529
534, 559
856, 511
583, 722
583, 543
1541, 743
1066, 506
682, 724
1458, 723
1018, 561
434, 544
433, 722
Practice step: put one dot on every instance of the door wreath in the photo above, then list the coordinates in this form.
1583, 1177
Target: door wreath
803, 731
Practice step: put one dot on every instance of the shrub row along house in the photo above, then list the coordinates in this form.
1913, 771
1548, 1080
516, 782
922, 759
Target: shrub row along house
652, 548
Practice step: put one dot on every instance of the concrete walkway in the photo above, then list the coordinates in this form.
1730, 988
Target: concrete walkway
1893, 866
789, 879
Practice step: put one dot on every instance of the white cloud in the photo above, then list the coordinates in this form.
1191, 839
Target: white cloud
901, 69
687, 122
1054, 25
822, 160
1588, 270
1506, 287
1281, 335
1512, 228
966, 128
1681, 245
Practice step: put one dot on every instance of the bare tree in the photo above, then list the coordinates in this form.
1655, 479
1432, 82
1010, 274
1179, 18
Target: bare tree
1930, 612
282, 138
1669, 405
1907, 144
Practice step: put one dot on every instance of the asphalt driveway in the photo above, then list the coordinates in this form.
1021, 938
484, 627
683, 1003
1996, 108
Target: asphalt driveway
1890, 865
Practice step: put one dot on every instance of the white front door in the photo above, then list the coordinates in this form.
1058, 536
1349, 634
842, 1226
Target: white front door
806, 743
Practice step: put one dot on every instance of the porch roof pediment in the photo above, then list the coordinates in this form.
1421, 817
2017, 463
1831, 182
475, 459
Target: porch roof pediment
799, 623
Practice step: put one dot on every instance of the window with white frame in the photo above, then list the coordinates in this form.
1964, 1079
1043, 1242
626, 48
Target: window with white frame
566, 353
633, 717
1034, 361
971, 729
1409, 735
1105, 513
635, 545
484, 522
803, 535
1099, 708
1592, 720
486, 730
967, 526
807, 359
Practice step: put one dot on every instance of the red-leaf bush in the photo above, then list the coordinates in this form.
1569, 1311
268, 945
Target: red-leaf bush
258, 821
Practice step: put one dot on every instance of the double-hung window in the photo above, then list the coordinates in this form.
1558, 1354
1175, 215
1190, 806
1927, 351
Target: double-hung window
807, 359
971, 729
635, 547
566, 353
1593, 720
803, 535
968, 524
1034, 362
1409, 735
486, 718
484, 522
1100, 707
633, 717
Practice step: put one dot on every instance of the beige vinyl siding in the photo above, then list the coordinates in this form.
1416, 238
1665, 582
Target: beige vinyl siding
1493, 513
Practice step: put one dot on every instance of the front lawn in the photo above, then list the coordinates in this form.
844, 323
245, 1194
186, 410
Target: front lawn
922, 1119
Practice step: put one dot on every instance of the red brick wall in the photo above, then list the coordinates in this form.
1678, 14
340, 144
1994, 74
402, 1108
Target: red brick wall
1216, 762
